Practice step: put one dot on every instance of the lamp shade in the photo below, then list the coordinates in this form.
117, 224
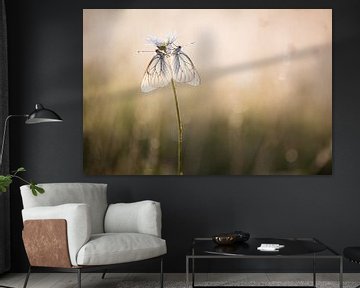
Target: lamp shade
42, 115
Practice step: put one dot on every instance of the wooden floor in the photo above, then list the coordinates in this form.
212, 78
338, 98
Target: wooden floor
114, 280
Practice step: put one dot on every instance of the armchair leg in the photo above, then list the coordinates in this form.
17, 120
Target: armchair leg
161, 273
79, 277
27, 277
103, 275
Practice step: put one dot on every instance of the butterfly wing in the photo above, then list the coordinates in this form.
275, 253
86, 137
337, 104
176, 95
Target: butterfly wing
184, 69
157, 74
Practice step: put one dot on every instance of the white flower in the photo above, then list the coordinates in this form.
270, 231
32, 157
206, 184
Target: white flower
164, 44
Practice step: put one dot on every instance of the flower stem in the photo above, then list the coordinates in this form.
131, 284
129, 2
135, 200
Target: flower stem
180, 129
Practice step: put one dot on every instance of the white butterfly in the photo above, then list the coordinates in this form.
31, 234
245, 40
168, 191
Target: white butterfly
160, 70
183, 68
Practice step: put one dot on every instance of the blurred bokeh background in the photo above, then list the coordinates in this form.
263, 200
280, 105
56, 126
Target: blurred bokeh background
264, 106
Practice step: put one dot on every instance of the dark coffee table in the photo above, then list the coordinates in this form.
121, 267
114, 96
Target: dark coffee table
295, 248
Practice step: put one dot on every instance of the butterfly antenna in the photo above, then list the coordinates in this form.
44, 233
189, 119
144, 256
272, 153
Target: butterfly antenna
192, 43
141, 51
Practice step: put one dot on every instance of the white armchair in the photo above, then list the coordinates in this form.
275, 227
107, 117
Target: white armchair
72, 228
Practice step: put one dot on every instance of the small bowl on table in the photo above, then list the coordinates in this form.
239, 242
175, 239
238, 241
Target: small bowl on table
231, 238
225, 239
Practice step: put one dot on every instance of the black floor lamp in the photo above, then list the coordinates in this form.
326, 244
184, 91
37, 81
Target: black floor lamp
39, 115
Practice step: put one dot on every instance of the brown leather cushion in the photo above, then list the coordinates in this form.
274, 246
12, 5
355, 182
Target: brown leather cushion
45, 243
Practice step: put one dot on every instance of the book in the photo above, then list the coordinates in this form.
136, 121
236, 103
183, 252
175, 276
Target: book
270, 247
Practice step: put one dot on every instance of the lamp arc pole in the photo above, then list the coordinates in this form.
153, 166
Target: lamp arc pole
4, 134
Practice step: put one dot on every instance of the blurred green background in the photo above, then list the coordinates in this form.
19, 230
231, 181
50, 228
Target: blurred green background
264, 106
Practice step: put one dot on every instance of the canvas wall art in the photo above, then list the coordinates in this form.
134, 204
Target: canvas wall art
207, 91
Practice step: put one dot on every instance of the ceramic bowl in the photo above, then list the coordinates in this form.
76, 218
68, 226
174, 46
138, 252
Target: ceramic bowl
225, 239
